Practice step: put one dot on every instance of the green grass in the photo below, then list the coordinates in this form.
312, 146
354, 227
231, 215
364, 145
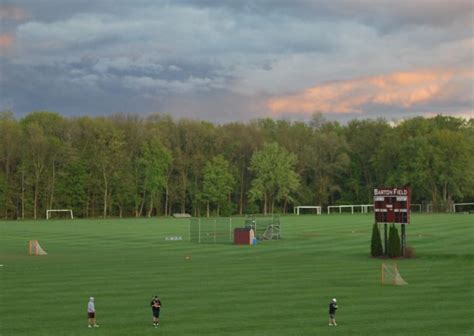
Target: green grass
274, 288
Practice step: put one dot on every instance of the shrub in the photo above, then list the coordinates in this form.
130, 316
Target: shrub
376, 249
397, 247
394, 248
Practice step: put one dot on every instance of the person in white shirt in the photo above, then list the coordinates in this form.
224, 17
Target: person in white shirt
91, 313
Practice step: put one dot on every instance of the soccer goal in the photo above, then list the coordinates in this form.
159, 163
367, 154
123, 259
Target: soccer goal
415, 208
429, 207
463, 207
59, 213
311, 209
34, 248
391, 276
353, 208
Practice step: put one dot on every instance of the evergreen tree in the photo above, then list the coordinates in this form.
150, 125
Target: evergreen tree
397, 243
394, 249
390, 242
376, 249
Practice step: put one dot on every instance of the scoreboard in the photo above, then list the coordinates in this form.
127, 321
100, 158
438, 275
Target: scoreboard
392, 205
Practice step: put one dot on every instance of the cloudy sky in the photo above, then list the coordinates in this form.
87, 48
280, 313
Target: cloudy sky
235, 60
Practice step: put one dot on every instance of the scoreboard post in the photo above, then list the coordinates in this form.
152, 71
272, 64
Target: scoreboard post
392, 206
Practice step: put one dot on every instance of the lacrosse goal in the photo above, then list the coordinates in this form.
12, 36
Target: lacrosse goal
391, 276
34, 248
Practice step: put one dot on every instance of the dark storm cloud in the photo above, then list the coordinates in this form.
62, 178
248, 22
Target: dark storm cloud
385, 15
48, 88
221, 60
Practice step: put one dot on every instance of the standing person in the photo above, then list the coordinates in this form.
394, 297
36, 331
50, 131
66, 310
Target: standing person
155, 307
332, 312
91, 313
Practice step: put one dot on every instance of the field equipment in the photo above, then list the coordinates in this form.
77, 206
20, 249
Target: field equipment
265, 228
34, 248
211, 230
220, 230
391, 276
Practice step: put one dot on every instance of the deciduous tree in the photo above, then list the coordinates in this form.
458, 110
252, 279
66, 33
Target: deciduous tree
218, 182
275, 178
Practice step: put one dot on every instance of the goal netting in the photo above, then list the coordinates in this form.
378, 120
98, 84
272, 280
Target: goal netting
59, 213
34, 248
211, 230
391, 276
351, 208
220, 230
463, 207
307, 209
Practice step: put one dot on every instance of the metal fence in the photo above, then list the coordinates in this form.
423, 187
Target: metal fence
220, 230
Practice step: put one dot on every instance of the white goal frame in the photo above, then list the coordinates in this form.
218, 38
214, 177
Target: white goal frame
297, 209
364, 208
457, 204
429, 207
417, 206
48, 212
393, 275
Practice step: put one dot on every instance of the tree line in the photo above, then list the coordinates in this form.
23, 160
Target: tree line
127, 165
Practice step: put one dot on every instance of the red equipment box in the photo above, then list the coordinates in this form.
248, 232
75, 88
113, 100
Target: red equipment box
242, 236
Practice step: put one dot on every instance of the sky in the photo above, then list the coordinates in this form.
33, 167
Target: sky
238, 60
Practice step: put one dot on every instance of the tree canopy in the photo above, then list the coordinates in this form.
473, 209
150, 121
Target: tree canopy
125, 165
275, 178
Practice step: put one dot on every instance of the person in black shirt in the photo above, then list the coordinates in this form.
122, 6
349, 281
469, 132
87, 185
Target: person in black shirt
332, 312
155, 307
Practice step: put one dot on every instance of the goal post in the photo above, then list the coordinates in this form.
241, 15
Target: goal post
463, 207
390, 275
415, 207
352, 208
34, 248
52, 211
297, 209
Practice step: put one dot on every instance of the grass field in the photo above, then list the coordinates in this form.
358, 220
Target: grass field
274, 288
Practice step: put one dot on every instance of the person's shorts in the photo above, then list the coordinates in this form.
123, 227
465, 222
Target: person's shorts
333, 316
156, 312
91, 315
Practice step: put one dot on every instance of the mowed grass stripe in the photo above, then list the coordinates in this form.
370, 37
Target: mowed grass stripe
274, 288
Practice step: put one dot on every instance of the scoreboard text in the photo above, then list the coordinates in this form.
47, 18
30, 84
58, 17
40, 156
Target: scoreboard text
392, 205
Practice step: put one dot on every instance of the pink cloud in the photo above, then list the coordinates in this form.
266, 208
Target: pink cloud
6, 40
12, 13
402, 89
